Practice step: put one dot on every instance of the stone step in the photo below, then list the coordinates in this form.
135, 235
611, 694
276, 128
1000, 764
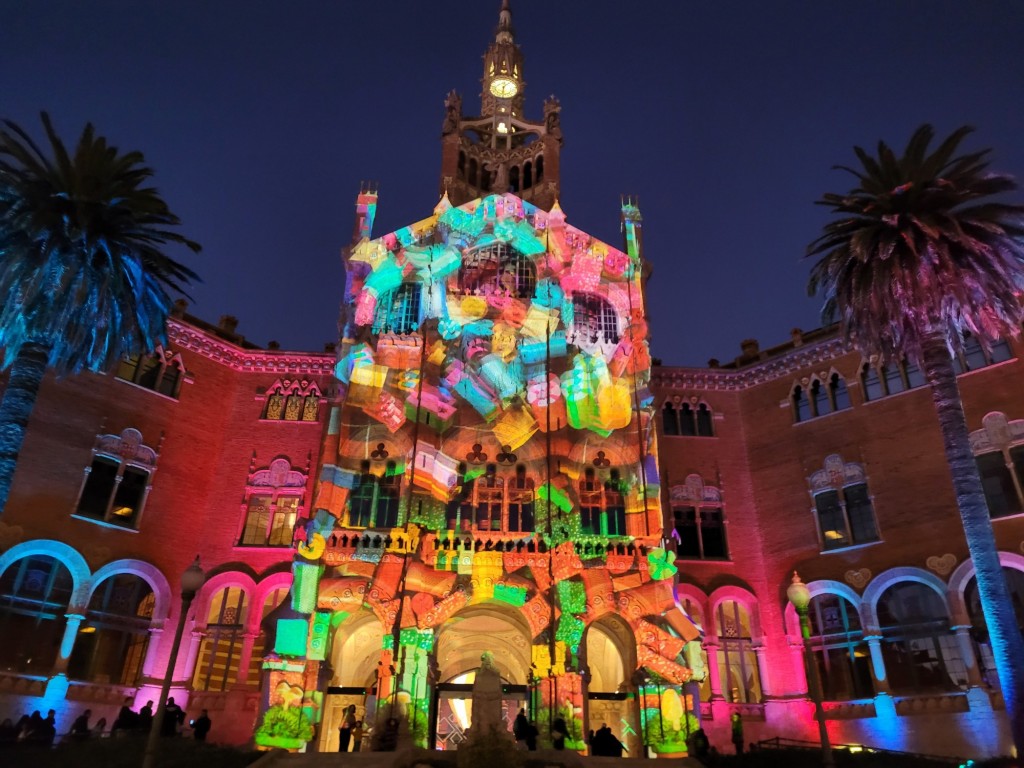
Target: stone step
426, 758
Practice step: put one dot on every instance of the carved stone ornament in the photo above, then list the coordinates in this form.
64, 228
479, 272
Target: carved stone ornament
941, 565
997, 433
859, 578
694, 492
835, 474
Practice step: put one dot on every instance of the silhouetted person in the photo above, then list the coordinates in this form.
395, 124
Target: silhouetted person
520, 729
701, 745
80, 728
345, 731
737, 733
531, 737
559, 731
357, 736
173, 717
201, 726
126, 718
145, 720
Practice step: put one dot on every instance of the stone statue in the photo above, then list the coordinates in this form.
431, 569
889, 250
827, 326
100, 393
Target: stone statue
487, 699
500, 185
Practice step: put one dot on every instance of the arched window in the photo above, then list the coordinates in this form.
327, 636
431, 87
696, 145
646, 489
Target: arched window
497, 269
801, 405
161, 371
737, 661
920, 651
614, 506
696, 615
472, 177
668, 415
893, 378
540, 167
459, 512
34, 595
845, 516
594, 321
374, 501
112, 641
398, 311
820, 404
871, 383
117, 483
292, 401
520, 502
490, 496
591, 503
527, 175
979, 627
273, 499
705, 425
687, 423
840, 651
217, 667
462, 165
837, 393
513, 178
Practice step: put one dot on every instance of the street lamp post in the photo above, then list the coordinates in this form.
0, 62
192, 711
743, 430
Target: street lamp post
800, 596
191, 580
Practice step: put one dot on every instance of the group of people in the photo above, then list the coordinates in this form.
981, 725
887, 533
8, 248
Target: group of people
30, 729
525, 732
351, 731
36, 729
604, 743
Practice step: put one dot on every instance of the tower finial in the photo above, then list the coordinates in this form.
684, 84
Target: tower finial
504, 34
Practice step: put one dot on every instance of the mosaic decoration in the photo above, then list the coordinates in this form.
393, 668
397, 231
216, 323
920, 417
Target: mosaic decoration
495, 448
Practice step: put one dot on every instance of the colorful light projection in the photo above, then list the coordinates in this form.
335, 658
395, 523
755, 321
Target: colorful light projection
496, 366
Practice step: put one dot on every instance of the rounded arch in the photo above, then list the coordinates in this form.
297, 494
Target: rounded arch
886, 579
263, 590
145, 571
610, 652
68, 556
689, 594
962, 576
494, 627
355, 649
221, 581
821, 587
741, 595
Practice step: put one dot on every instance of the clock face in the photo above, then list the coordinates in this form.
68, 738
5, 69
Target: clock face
503, 87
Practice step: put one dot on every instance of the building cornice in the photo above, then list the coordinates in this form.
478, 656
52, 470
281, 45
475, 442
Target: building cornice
778, 367
185, 336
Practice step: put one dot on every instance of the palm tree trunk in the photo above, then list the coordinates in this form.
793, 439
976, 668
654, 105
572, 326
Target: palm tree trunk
1005, 634
15, 409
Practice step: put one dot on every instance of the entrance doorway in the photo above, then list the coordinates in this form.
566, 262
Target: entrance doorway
453, 705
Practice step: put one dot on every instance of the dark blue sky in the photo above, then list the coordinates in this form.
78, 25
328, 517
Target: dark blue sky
261, 119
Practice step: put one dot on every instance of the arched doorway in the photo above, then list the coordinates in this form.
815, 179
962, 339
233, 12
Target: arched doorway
611, 662
462, 640
354, 655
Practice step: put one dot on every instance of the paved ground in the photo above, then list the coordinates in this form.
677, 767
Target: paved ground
422, 758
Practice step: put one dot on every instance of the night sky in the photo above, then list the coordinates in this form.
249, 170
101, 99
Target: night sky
260, 119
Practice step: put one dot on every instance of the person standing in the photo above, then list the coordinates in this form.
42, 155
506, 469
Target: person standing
521, 729
531, 737
201, 726
173, 717
145, 719
345, 731
737, 733
357, 736
559, 730
80, 728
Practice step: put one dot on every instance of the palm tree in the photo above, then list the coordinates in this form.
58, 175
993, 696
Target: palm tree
921, 254
83, 279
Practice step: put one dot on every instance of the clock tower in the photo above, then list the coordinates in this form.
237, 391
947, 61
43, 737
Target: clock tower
500, 150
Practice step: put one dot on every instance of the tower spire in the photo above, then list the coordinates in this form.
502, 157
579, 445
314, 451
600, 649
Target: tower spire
505, 31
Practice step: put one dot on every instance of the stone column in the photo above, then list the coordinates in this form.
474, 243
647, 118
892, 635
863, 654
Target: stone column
878, 673
67, 643
798, 660
152, 653
762, 671
713, 672
970, 659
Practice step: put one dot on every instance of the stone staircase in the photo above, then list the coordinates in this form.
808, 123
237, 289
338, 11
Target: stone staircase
423, 758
